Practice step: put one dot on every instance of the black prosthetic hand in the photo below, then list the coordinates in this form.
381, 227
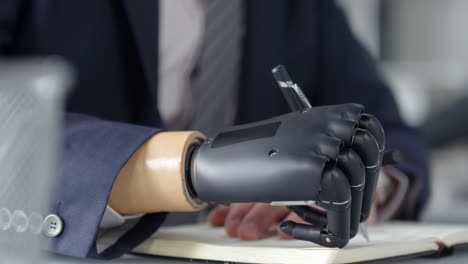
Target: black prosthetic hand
329, 156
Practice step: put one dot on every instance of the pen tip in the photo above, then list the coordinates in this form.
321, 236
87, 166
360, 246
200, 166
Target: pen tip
364, 232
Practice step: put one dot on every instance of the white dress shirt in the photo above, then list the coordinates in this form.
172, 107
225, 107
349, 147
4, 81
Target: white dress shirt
181, 36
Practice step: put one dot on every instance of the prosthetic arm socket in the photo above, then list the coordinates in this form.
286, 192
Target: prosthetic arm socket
153, 179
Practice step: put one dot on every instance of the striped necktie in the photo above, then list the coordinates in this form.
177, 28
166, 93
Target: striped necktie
216, 78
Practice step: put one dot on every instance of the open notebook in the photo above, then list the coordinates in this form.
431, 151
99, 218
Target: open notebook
387, 241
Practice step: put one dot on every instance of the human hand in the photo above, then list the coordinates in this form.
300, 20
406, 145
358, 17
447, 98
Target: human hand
253, 221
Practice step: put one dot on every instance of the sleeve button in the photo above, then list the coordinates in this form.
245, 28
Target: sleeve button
53, 225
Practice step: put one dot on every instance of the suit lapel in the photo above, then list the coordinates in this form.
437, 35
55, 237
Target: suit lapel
143, 17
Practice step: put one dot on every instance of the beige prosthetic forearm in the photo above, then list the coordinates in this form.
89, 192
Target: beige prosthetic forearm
153, 179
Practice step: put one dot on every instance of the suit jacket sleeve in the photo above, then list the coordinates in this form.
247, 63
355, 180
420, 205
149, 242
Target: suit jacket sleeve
94, 152
349, 74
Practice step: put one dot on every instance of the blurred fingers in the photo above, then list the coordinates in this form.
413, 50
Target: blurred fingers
217, 216
373, 217
234, 217
257, 222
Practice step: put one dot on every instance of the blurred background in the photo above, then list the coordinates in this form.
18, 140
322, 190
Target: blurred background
422, 46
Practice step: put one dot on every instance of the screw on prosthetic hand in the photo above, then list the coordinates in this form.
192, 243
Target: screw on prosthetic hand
348, 187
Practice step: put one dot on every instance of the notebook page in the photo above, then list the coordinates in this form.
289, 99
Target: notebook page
387, 240
205, 242
386, 233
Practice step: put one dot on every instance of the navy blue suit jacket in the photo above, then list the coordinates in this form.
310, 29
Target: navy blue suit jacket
113, 45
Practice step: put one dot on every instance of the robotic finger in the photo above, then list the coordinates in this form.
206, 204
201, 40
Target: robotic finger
367, 147
310, 215
352, 166
336, 199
